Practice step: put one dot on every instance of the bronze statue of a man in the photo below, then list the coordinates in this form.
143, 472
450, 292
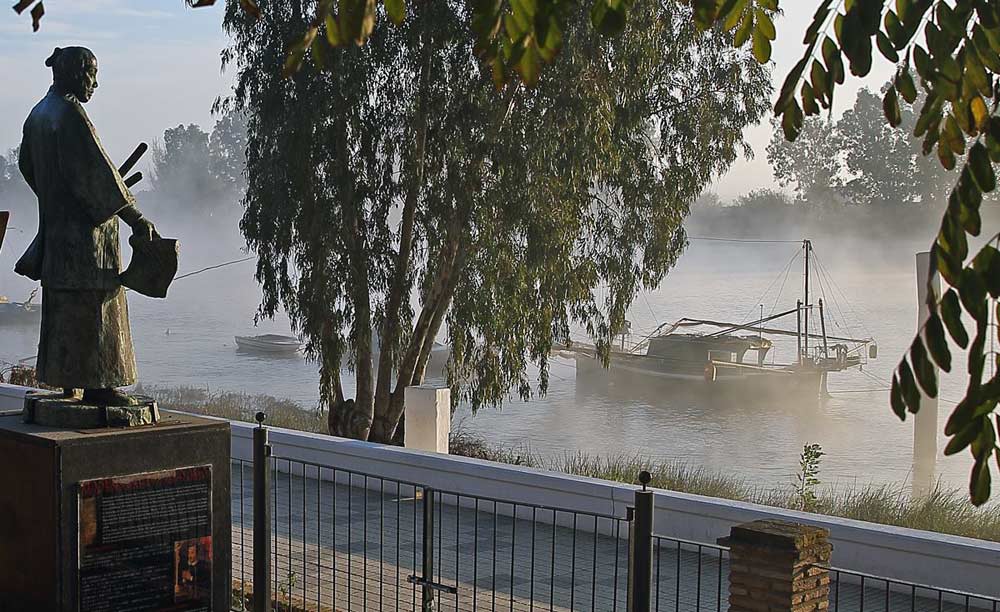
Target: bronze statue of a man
85, 341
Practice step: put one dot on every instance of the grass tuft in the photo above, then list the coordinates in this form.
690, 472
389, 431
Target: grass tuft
237, 407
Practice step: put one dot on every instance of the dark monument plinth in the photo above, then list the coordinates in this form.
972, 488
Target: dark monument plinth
124, 519
54, 410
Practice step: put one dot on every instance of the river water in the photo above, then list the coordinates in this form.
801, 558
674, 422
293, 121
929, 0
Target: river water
187, 339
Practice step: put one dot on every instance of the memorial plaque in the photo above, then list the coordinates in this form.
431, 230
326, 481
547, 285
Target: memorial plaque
146, 542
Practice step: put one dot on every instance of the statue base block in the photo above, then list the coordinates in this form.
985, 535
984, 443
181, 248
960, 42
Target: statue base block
54, 410
127, 519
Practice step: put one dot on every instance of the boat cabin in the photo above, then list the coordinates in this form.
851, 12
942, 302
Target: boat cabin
703, 349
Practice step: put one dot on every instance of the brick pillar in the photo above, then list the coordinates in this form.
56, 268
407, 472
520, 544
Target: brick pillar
776, 566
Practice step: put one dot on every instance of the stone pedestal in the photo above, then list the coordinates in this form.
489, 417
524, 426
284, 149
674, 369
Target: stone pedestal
777, 566
138, 518
428, 418
53, 410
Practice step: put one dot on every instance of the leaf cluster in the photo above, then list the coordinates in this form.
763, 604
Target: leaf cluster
954, 48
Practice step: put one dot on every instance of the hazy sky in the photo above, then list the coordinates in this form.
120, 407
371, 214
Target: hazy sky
159, 67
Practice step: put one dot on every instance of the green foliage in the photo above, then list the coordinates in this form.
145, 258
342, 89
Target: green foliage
180, 162
807, 478
942, 509
953, 47
394, 166
511, 37
227, 157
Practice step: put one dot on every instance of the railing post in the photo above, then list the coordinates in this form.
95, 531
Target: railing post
640, 549
261, 518
428, 546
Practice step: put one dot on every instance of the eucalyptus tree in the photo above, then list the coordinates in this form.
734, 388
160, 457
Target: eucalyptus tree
394, 193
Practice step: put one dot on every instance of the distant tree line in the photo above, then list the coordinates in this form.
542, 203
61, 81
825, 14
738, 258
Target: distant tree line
859, 160
198, 174
851, 175
14, 192
194, 174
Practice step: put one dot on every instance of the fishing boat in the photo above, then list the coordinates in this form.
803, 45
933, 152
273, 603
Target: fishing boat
20, 313
269, 343
733, 357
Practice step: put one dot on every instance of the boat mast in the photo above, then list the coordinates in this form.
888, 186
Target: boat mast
822, 324
760, 332
798, 330
807, 245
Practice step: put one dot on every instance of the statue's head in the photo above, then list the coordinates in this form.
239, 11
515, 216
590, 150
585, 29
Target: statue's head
74, 70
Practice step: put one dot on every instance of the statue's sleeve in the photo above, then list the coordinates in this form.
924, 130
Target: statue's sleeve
24, 163
90, 175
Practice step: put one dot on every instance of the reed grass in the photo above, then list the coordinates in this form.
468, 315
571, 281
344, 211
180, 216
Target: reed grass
943, 510
237, 406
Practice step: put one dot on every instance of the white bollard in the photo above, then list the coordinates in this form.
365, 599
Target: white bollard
925, 425
428, 418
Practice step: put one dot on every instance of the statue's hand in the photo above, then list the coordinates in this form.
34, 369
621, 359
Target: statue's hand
144, 229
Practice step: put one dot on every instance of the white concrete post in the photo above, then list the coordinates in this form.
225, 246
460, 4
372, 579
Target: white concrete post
925, 425
428, 418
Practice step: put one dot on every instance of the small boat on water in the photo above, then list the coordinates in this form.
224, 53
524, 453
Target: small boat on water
269, 343
732, 358
20, 313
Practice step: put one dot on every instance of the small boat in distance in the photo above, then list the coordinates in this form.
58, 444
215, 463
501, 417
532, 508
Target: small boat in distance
20, 313
269, 343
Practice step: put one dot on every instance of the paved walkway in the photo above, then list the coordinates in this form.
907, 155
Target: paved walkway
340, 547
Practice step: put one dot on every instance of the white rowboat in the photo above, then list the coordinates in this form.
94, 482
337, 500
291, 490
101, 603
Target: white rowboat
269, 343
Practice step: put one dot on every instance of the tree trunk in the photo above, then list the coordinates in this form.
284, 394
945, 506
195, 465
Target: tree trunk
331, 387
388, 416
438, 300
400, 286
360, 413
411, 371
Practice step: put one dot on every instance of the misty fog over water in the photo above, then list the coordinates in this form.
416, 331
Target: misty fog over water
187, 339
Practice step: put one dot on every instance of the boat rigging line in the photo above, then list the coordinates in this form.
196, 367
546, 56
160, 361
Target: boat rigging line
834, 286
788, 270
221, 265
745, 240
215, 267
774, 280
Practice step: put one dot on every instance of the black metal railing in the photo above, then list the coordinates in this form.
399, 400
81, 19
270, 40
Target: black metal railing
309, 536
689, 576
348, 540
857, 592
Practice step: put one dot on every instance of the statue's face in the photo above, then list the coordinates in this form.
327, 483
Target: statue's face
86, 83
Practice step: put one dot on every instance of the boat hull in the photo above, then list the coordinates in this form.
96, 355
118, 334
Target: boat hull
14, 313
260, 344
728, 381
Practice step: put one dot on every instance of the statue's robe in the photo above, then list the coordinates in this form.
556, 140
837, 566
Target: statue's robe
85, 340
